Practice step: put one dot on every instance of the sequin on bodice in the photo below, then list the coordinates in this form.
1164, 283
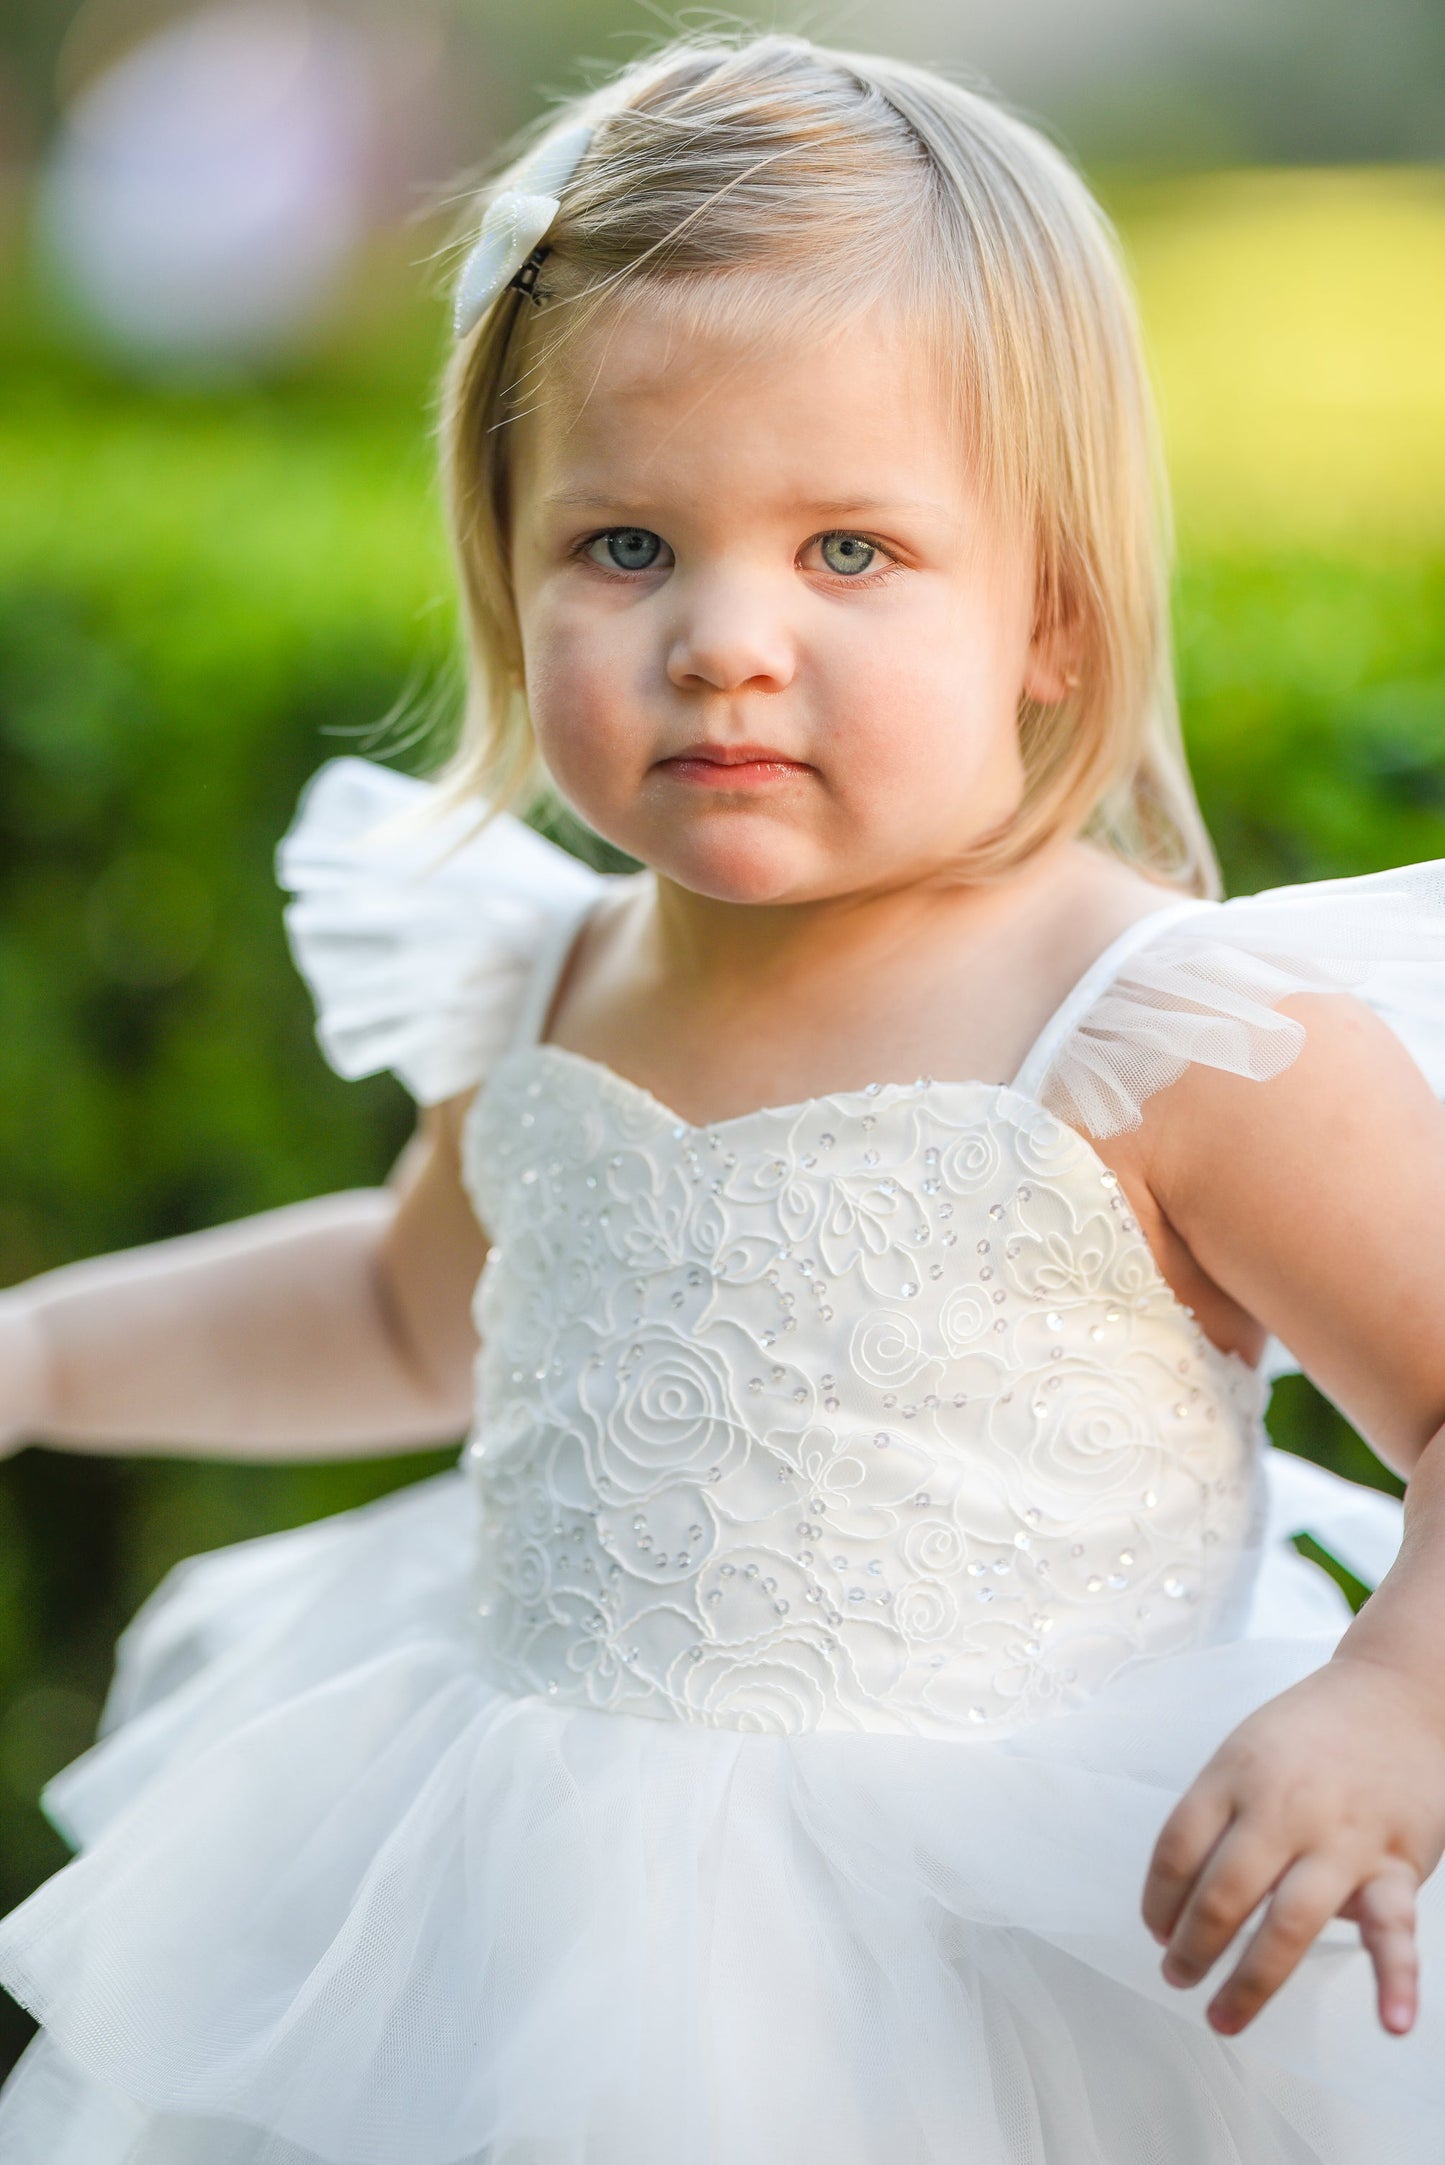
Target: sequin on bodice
870, 1413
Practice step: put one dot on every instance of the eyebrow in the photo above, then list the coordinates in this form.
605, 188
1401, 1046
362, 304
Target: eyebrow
864, 506
845, 507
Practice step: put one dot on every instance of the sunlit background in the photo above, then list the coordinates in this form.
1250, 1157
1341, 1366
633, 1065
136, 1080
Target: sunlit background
221, 562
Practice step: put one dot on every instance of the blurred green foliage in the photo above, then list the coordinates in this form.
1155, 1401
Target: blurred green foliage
203, 595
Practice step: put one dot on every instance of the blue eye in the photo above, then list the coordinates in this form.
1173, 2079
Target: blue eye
847, 553
629, 548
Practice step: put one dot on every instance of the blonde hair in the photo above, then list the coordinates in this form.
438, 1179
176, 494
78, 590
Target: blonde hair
718, 167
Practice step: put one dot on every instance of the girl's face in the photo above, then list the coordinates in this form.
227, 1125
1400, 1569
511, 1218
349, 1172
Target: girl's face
774, 641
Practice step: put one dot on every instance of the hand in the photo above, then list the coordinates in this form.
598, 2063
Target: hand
22, 1374
1330, 1800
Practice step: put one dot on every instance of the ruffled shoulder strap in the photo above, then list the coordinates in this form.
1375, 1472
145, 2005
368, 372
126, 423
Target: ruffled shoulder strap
418, 960
1201, 983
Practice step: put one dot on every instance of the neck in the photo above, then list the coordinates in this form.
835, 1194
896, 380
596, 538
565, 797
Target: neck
701, 942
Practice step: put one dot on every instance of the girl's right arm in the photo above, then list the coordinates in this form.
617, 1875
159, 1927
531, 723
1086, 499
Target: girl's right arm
335, 1327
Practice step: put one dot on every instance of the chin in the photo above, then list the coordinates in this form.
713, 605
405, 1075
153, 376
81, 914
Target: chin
744, 860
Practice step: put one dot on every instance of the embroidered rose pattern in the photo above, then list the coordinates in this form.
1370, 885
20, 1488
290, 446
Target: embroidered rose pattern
873, 1413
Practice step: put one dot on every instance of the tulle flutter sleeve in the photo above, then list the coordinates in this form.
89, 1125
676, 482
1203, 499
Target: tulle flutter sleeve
418, 961
1206, 990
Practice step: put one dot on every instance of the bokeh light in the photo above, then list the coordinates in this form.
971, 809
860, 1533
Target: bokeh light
1297, 322
206, 194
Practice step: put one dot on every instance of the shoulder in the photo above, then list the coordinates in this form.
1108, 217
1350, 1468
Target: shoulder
1093, 909
1349, 1077
1211, 985
1272, 1068
1093, 895
1315, 1200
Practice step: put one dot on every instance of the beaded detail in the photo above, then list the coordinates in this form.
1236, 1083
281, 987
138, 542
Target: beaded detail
869, 1413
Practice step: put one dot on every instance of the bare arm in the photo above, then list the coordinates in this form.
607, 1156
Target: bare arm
335, 1327
1317, 1200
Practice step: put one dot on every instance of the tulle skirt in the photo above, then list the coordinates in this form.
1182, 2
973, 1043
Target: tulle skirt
340, 1899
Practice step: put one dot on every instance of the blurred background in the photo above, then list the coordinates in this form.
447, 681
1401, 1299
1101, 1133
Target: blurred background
221, 562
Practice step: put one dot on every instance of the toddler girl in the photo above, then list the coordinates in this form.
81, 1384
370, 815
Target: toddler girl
856, 1685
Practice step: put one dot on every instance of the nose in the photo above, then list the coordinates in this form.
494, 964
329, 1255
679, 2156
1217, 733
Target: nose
730, 635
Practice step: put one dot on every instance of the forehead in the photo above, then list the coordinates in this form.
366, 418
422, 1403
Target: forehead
655, 393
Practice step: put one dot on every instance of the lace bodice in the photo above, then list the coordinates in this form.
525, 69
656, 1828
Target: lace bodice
873, 1412
870, 1413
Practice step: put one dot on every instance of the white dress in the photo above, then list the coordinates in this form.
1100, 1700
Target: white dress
751, 1752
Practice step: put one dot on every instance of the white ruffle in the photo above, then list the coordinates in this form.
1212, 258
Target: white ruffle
422, 967
344, 1901
416, 965
1207, 987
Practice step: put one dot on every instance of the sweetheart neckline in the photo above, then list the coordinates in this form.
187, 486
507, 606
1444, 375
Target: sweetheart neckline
869, 1094
870, 1091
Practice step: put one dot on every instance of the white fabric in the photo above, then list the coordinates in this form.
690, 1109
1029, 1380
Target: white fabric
1078, 1004
872, 1413
1206, 988
418, 961
344, 1900
585, 1806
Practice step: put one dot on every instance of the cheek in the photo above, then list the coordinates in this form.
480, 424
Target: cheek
582, 681
927, 708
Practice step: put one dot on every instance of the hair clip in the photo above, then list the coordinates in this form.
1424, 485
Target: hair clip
514, 224
525, 280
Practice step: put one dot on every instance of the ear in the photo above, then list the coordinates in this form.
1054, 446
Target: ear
1056, 648
1052, 668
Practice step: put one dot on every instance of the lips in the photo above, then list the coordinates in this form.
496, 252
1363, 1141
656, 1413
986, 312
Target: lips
735, 755
733, 770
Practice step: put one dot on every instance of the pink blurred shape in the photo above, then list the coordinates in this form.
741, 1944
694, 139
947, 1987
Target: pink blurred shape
208, 192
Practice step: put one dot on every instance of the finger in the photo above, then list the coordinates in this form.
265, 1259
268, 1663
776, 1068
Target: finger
1384, 1908
1305, 1898
1186, 1840
1240, 1872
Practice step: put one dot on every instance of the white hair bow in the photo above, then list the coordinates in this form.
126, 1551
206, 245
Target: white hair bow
516, 221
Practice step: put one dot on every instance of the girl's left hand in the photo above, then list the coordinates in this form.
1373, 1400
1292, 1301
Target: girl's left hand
1330, 1801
